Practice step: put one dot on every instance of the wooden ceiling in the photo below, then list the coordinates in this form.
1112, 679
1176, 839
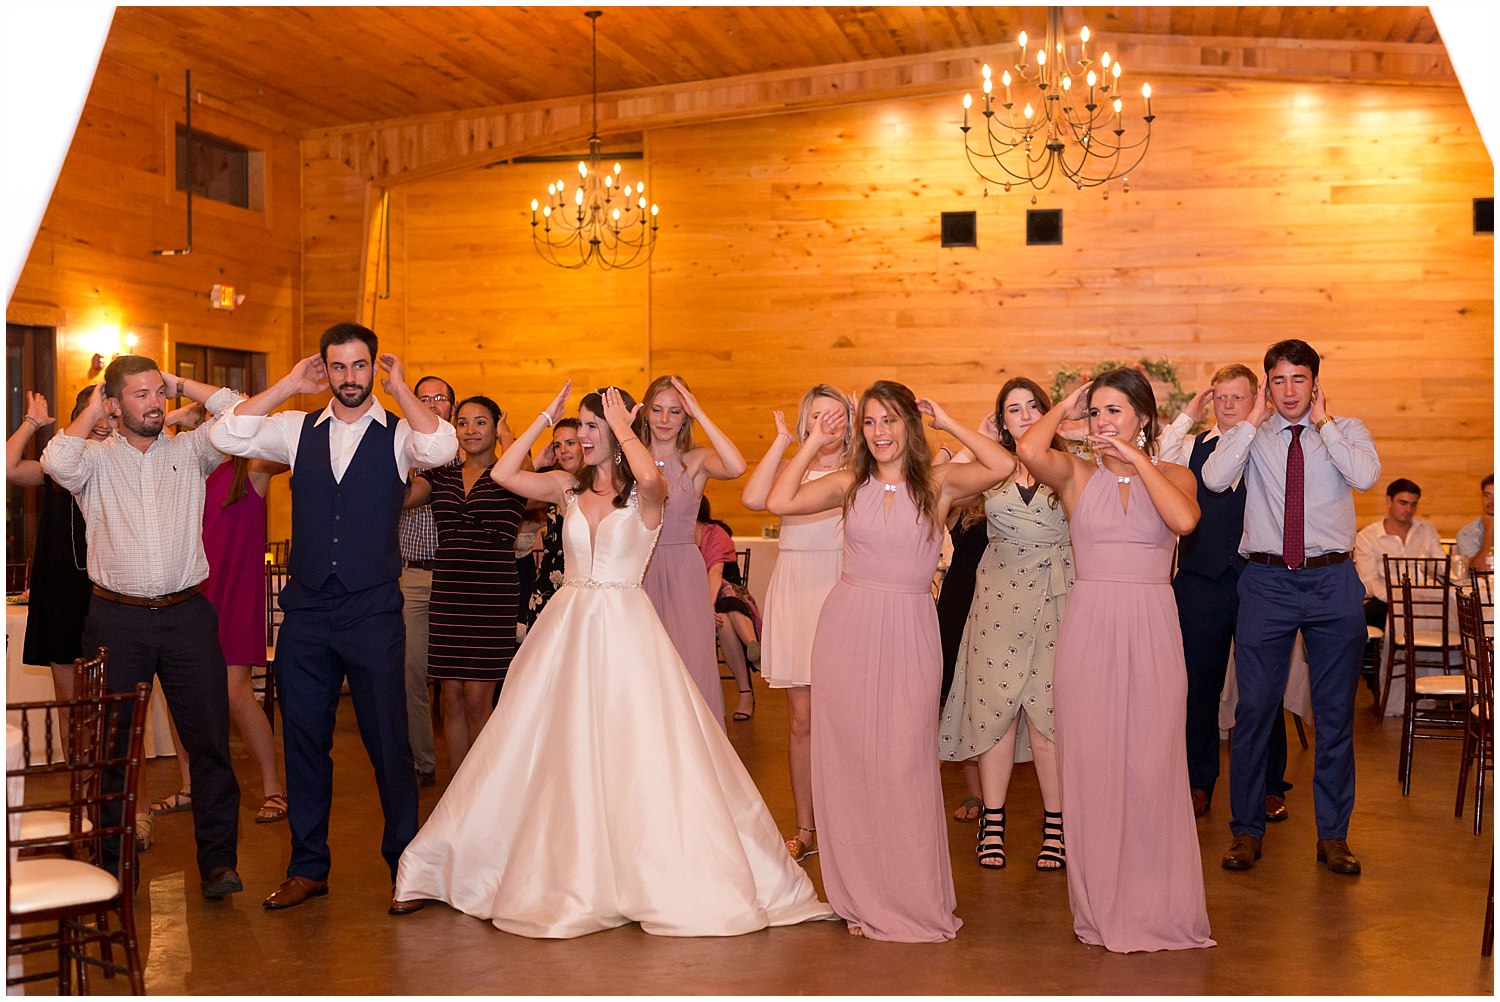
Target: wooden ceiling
315, 67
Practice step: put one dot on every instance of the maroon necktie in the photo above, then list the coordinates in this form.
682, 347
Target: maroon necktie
1292, 549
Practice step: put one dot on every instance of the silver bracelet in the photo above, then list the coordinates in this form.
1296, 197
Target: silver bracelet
547, 418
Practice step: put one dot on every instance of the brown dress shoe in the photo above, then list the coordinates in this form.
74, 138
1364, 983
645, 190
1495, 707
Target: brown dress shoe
1335, 852
1242, 853
1275, 808
1200, 802
293, 891
399, 907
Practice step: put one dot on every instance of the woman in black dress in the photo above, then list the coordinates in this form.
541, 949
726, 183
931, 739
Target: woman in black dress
476, 593
59, 586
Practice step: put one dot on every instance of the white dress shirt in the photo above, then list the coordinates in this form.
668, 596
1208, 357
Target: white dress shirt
1340, 457
144, 509
1373, 543
1174, 444
275, 437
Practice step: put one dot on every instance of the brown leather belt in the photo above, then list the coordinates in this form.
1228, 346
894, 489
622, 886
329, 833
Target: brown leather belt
1322, 560
159, 602
421, 565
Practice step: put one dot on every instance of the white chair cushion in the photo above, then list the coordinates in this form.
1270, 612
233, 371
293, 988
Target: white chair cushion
1440, 685
52, 882
47, 824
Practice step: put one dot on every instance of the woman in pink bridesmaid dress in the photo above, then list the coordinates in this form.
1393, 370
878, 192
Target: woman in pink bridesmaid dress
877, 665
1135, 872
676, 579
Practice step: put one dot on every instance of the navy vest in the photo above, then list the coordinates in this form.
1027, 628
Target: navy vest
346, 529
1214, 546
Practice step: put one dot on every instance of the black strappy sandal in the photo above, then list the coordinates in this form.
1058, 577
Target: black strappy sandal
991, 838
1053, 850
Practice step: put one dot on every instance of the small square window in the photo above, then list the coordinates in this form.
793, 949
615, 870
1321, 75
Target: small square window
960, 229
1043, 226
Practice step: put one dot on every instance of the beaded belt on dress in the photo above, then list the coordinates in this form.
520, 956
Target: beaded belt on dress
591, 583
891, 586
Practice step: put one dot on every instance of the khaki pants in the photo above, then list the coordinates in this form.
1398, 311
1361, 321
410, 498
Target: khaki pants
416, 587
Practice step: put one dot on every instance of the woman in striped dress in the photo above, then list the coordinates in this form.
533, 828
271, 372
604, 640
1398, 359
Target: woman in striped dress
476, 592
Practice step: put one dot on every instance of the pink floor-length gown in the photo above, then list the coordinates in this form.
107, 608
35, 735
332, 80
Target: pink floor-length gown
877, 668
1135, 872
677, 583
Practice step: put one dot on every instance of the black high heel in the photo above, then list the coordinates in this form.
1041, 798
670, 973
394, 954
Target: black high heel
1053, 850
738, 715
991, 839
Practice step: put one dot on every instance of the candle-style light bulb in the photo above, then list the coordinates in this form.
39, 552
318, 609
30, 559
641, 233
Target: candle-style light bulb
642, 202
989, 85
984, 71
653, 208
583, 169
547, 210
1029, 112
968, 101
1041, 57
1067, 83
1092, 78
617, 168
1118, 105
1005, 78
578, 197
534, 204
1083, 34
1146, 91
1022, 39
551, 189
615, 215
1104, 61
1116, 71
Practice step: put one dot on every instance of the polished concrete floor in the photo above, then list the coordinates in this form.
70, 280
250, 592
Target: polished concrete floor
1409, 925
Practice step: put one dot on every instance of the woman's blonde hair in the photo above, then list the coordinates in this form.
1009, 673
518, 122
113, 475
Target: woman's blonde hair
643, 422
804, 412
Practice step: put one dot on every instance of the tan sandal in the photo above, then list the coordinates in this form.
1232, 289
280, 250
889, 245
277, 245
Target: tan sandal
799, 847
274, 809
968, 809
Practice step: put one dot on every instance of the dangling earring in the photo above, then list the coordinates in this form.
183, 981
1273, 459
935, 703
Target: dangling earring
618, 457
1140, 439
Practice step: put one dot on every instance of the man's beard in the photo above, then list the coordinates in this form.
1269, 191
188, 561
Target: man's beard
362, 393
147, 427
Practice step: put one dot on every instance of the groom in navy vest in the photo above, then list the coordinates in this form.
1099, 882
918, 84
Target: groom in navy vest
350, 465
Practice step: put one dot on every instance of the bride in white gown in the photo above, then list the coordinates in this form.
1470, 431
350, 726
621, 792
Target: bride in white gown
603, 791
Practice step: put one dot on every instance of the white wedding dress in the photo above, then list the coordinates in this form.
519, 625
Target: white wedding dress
603, 791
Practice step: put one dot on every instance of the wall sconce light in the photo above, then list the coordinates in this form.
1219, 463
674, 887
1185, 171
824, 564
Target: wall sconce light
107, 339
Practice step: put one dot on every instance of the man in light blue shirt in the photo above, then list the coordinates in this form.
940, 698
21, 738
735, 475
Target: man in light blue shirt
1301, 468
1476, 541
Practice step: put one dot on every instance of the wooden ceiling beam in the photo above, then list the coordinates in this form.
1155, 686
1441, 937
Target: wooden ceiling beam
402, 151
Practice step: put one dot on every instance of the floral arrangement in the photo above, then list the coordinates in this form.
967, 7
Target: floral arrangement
1158, 370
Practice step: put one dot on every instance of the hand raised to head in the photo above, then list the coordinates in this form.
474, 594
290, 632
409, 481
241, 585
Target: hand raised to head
1319, 409
781, 428
309, 375
689, 402
559, 404
395, 373
617, 415
1197, 407
1074, 405
36, 409
990, 426
933, 410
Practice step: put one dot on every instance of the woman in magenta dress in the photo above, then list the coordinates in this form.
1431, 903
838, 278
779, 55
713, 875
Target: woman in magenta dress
1135, 872
234, 539
676, 579
877, 664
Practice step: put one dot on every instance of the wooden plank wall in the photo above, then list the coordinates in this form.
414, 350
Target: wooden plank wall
804, 247
91, 273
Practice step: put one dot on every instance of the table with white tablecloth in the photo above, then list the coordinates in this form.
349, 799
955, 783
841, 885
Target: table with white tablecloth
1298, 697
26, 683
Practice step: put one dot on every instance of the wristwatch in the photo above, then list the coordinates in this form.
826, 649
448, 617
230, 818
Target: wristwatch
1318, 425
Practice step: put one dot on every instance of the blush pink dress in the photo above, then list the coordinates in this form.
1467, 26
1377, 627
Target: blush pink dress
677, 583
877, 667
1135, 872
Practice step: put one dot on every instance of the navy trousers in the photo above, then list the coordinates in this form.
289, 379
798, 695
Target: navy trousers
179, 645
1326, 604
1208, 609
328, 635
